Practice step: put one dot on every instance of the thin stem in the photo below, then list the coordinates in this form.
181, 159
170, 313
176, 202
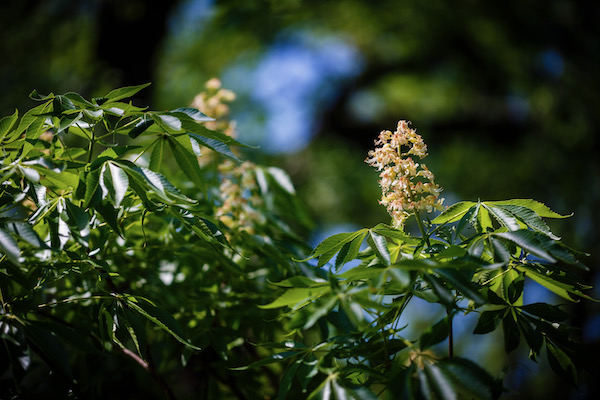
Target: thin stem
422, 228
149, 367
91, 148
450, 334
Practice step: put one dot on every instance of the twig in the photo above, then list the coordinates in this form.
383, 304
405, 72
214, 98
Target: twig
152, 371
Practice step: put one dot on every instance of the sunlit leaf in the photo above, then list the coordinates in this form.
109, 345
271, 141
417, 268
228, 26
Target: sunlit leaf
9, 247
539, 208
379, 245
296, 297
7, 123
529, 241
124, 92
192, 113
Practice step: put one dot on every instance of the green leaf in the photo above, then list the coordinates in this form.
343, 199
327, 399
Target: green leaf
169, 123
136, 329
9, 247
444, 294
484, 221
7, 123
148, 182
546, 311
297, 297
78, 218
530, 218
515, 289
49, 348
26, 233
461, 283
141, 127
349, 251
468, 218
186, 159
561, 363
504, 217
562, 289
158, 151
216, 145
92, 183
79, 100
379, 245
468, 380
124, 92
63, 180
434, 334
441, 385
31, 116
159, 317
533, 337
287, 379
530, 242
539, 208
34, 95
114, 183
330, 246
110, 216
511, 333
488, 321
192, 113
453, 213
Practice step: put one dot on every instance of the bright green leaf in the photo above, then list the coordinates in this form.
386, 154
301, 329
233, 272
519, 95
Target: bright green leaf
124, 92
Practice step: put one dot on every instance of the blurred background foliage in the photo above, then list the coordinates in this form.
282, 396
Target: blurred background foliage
506, 94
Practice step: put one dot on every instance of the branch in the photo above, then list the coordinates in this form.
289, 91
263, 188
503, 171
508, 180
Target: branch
147, 365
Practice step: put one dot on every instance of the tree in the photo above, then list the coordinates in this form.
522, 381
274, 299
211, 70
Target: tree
137, 247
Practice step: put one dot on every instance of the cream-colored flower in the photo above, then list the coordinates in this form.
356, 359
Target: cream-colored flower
407, 187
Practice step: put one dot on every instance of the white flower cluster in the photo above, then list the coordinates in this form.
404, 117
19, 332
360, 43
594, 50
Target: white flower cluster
407, 187
241, 201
